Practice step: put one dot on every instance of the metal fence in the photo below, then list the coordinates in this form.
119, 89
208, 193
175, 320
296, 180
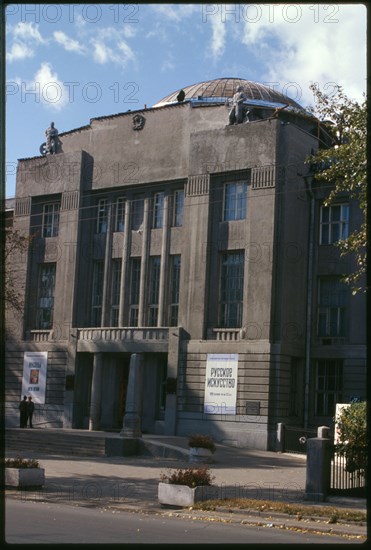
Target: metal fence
343, 481
296, 439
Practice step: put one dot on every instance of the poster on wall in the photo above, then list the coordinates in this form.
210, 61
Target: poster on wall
35, 364
221, 383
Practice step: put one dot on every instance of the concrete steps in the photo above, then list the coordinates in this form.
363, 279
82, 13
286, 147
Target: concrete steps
52, 442
88, 444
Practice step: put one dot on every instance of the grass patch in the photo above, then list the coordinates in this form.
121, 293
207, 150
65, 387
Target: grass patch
332, 514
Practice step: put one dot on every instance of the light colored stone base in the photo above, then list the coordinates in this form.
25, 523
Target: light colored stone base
199, 454
24, 477
181, 495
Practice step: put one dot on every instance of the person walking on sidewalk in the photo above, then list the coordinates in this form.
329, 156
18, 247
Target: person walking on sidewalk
30, 410
23, 412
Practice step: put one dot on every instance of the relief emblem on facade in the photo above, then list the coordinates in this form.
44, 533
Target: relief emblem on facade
138, 122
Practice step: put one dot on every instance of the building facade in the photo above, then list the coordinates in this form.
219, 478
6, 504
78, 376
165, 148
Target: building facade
183, 275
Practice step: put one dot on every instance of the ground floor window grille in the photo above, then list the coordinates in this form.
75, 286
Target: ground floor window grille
97, 294
134, 291
174, 290
232, 279
329, 386
115, 292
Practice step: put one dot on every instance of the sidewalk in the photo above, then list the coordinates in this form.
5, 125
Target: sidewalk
131, 483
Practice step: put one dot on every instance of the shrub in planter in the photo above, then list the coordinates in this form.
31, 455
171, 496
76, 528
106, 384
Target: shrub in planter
19, 462
23, 472
202, 442
184, 487
201, 448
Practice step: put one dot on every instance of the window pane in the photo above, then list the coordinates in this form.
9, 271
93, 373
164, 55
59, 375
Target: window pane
232, 278
138, 213
235, 196
120, 214
158, 210
45, 301
178, 208
102, 215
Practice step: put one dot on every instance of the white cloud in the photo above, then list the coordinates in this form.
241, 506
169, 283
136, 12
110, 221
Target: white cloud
175, 12
316, 46
110, 47
25, 37
27, 31
19, 51
68, 43
218, 37
52, 92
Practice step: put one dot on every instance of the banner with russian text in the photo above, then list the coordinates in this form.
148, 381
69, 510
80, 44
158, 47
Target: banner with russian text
221, 383
35, 364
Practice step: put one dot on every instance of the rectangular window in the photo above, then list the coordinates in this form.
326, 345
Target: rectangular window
153, 291
174, 290
178, 208
232, 279
293, 387
331, 307
235, 200
120, 215
97, 294
102, 216
45, 297
138, 213
329, 386
158, 210
115, 292
134, 291
51, 219
334, 221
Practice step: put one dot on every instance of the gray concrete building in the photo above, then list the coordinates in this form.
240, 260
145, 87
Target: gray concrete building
183, 274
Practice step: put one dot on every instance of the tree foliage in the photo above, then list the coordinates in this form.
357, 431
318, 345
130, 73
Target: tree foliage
343, 166
15, 245
352, 436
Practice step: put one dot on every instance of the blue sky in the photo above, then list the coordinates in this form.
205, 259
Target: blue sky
69, 63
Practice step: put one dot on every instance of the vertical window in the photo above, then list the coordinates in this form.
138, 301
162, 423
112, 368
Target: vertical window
102, 216
154, 286
293, 387
235, 199
329, 386
232, 278
97, 294
134, 291
331, 307
115, 292
334, 222
174, 290
51, 219
178, 208
120, 214
138, 213
45, 296
158, 210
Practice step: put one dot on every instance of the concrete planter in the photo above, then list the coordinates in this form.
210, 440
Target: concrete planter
24, 477
181, 495
200, 454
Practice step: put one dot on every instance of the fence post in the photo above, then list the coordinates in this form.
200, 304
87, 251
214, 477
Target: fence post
318, 474
280, 443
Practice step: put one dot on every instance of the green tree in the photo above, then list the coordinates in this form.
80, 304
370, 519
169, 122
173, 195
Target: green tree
343, 166
352, 436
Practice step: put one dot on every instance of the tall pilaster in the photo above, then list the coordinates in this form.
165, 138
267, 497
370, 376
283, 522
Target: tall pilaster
144, 263
125, 267
161, 320
133, 411
96, 392
107, 269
